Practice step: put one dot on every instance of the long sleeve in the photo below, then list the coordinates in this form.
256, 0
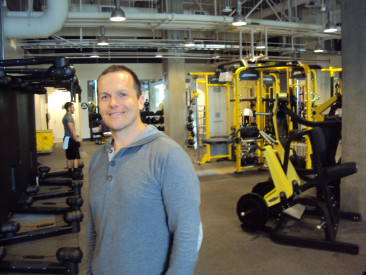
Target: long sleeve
90, 241
181, 195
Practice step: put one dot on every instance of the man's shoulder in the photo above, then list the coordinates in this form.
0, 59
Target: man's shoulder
97, 155
166, 141
166, 146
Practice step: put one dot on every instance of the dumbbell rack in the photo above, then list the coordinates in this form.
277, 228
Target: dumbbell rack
152, 118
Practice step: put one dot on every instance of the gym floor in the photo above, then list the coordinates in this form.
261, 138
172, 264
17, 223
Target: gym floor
226, 248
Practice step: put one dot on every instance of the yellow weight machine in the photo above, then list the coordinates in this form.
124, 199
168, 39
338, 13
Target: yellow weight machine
245, 81
334, 102
299, 77
281, 197
215, 138
302, 79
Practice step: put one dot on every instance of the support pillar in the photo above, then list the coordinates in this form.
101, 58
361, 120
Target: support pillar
175, 94
175, 99
353, 188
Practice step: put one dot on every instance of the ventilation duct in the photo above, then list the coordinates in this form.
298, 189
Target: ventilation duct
40, 25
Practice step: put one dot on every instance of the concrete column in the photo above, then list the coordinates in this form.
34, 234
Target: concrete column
175, 100
175, 95
353, 188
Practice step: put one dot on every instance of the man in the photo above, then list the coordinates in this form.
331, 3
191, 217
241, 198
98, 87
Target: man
144, 194
71, 142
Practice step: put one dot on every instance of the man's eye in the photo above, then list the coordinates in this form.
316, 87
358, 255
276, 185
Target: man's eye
104, 97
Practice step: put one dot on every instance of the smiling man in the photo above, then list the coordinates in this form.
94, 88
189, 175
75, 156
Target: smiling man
144, 195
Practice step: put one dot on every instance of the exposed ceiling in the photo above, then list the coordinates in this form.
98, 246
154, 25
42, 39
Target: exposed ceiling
72, 28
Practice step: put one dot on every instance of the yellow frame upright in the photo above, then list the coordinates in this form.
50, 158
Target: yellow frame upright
207, 156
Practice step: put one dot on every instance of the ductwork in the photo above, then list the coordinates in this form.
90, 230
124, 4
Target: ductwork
39, 25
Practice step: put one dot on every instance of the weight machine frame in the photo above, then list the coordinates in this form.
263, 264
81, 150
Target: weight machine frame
282, 192
208, 140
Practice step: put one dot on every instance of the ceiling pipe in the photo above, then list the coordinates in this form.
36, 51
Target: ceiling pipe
49, 22
240, 44
281, 6
252, 42
266, 41
183, 21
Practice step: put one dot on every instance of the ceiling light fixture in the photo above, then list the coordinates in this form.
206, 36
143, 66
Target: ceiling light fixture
189, 42
103, 40
330, 26
260, 43
94, 54
318, 48
239, 20
118, 14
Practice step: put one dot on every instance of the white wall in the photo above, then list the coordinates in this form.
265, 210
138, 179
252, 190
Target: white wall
52, 103
41, 109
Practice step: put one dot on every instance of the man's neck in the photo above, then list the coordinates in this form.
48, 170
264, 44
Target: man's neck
122, 139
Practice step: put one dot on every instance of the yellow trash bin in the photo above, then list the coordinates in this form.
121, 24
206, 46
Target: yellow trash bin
44, 140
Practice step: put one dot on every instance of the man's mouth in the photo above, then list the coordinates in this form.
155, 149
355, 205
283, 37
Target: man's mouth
116, 114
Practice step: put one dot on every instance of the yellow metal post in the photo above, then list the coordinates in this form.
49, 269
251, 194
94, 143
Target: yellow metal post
308, 112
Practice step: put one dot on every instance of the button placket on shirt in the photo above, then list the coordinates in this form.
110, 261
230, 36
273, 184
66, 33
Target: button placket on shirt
111, 165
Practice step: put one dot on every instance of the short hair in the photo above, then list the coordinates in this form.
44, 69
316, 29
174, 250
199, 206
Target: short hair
68, 105
121, 68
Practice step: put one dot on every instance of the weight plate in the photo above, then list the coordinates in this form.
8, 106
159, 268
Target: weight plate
252, 211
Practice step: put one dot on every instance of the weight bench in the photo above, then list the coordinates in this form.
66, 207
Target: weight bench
217, 147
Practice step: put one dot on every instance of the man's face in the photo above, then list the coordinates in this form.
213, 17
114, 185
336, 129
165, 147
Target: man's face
118, 102
71, 109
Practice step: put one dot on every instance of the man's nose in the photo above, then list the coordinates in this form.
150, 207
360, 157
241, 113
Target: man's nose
113, 101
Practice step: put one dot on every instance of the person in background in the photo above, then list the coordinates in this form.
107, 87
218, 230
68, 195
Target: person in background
103, 127
144, 195
71, 142
104, 130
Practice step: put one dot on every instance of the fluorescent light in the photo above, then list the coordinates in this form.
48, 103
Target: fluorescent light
215, 46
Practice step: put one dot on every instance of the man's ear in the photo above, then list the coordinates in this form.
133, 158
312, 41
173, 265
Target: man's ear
141, 102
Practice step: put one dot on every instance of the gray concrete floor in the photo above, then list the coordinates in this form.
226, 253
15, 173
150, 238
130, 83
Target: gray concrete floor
226, 248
